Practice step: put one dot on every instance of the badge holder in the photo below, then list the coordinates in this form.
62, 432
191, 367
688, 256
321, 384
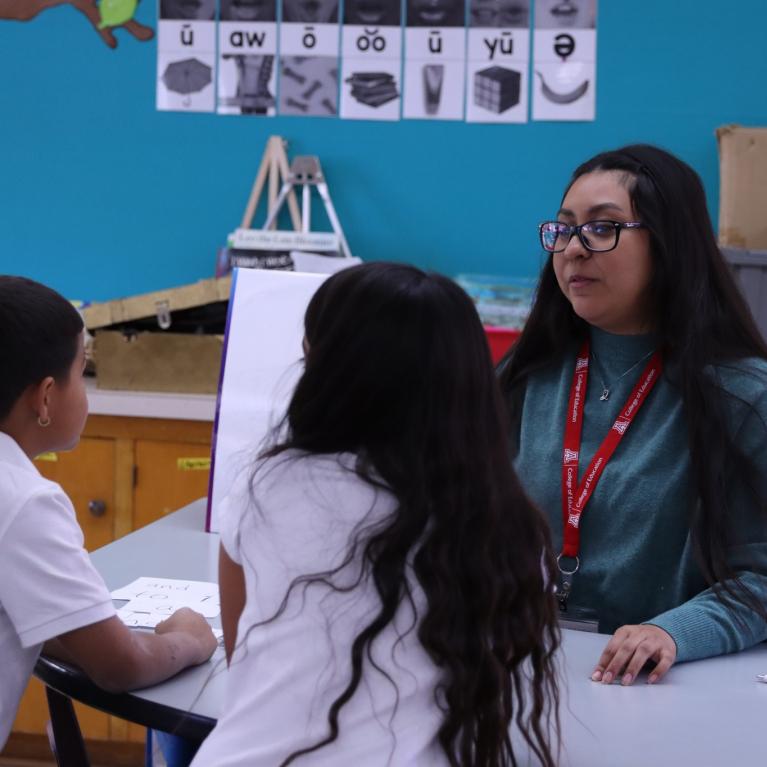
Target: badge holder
566, 580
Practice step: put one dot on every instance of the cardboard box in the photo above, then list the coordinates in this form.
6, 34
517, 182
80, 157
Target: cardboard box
168, 341
743, 187
166, 362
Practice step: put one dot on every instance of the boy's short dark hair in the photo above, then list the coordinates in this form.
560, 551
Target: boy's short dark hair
39, 329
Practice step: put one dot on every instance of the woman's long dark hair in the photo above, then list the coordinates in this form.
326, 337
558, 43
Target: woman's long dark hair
701, 320
398, 372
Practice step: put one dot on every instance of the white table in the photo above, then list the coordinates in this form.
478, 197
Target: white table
704, 714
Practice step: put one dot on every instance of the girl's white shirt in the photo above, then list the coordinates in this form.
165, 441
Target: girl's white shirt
299, 517
48, 585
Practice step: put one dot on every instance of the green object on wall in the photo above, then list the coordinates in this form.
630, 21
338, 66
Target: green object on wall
116, 12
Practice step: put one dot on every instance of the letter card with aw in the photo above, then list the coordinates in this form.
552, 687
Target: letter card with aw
261, 365
247, 50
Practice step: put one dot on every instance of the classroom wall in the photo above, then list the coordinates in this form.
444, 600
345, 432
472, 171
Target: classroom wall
102, 196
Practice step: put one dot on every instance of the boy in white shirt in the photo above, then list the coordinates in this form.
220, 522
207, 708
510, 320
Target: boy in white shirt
49, 590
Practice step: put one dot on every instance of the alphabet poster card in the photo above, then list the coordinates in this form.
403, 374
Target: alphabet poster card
186, 55
371, 60
435, 60
247, 46
309, 65
564, 56
497, 66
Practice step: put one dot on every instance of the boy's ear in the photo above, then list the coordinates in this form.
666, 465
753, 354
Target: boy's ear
40, 396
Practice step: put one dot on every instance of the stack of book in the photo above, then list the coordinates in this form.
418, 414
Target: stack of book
373, 88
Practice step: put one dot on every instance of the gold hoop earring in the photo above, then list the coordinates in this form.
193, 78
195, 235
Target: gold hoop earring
43, 421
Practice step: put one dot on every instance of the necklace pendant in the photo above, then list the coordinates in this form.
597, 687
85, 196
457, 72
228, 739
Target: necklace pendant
605, 395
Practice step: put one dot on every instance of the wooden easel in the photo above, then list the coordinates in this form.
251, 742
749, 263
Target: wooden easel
274, 165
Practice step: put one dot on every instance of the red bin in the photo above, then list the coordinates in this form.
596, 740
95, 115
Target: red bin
500, 341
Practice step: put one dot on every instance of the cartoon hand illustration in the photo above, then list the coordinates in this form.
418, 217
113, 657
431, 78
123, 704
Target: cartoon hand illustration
104, 16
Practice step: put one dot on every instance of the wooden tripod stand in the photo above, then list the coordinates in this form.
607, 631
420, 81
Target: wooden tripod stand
274, 167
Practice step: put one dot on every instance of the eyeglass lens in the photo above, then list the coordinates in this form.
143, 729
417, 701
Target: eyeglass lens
595, 235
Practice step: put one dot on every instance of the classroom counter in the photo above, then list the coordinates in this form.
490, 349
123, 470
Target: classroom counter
150, 404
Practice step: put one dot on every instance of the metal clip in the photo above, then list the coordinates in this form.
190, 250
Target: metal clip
563, 592
163, 314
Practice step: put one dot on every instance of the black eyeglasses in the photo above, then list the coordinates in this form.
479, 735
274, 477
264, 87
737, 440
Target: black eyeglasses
595, 236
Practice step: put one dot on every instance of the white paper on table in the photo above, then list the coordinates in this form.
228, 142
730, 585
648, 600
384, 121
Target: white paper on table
261, 366
208, 608
185, 593
144, 620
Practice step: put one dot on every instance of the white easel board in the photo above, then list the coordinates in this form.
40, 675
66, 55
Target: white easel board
260, 367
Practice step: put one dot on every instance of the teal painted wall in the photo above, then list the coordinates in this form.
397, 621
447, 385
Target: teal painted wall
101, 196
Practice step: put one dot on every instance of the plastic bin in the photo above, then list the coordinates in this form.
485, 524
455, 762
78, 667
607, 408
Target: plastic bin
500, 341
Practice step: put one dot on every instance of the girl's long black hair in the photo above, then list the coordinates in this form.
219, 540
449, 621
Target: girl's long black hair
701, 320
398, 372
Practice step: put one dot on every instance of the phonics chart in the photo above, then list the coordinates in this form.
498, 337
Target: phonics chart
482, 61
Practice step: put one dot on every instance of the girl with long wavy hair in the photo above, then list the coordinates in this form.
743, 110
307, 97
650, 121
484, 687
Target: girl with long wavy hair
638, 399
385, 583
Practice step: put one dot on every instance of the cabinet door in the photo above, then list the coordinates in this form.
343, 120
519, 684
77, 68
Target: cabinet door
87, 475
169, 475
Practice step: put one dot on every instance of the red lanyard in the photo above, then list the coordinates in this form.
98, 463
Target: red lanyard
574, 499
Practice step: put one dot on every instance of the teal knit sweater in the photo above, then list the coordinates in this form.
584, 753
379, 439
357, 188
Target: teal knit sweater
637, 564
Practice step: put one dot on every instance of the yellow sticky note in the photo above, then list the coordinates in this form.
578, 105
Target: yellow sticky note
193, 464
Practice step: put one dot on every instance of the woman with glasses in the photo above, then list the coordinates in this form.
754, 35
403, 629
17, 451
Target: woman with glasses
638, 393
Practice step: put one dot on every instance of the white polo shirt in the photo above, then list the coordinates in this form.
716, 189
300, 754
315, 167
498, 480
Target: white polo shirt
285, 673
48, 585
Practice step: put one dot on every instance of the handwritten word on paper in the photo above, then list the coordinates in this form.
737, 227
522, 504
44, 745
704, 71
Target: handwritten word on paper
162, 596
166, 607
139, 620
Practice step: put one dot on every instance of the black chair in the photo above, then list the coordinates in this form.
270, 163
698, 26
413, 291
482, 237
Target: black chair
64, 683
64, 733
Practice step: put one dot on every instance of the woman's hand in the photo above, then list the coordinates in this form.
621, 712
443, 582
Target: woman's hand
629, 649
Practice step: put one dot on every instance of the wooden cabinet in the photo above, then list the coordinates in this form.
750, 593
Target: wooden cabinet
168, 475
124, 474
87, 475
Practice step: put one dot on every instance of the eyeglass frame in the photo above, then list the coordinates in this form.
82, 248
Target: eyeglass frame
576, 229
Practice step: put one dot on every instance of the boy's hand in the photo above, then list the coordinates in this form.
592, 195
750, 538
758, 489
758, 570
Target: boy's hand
193, 624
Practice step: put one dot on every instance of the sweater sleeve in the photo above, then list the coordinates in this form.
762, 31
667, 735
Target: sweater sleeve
707, 625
